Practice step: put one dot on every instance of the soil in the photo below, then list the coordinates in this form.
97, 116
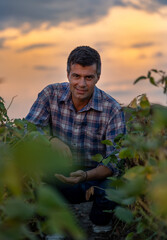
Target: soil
118, 229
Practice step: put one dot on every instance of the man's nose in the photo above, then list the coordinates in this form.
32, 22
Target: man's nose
82, 82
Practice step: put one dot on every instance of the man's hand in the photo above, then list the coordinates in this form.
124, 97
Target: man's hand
100, 172
75, 177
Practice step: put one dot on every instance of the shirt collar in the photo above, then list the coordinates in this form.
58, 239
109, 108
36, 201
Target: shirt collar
96, 100
66, 96
94, 103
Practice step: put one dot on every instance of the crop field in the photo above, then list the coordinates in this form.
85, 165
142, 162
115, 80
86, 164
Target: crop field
29, 207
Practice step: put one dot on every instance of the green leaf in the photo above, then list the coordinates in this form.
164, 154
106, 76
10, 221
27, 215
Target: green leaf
12, 179
124, 214
115, 195
19, 123
165, 79
16, 208
1, 99
27, 233
31, 126
35, 149
125, 153
49, 200
106, 160
158, 194
128, 201
107, 142
144, 102
140, 78
161, 71
59, 218
135, 187
152, 161
2, 107
113, 159
140, 227
135, 171
129, 236
159, 116
2, 130
118, 137
152, 81
98, 157
149, 74
133, 103
154, 70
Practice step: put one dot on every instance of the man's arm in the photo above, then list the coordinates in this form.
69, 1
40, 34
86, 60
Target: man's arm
100, 172
39, 113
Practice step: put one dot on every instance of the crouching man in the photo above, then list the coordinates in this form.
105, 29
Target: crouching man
82, 115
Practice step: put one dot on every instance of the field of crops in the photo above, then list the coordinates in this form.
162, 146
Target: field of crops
29, 208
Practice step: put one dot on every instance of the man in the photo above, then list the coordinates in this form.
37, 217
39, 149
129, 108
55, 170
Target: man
81, 115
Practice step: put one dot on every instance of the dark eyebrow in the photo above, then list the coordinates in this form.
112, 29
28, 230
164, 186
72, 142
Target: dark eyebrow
74, 74
92, 75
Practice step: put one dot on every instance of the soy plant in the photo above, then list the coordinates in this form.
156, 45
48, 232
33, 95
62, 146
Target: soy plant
141, 191
29, 208
161, 81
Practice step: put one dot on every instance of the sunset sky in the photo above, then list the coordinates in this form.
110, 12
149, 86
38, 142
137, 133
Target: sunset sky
37, 36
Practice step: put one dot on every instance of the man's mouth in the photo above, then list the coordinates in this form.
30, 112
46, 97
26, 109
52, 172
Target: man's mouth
81, 91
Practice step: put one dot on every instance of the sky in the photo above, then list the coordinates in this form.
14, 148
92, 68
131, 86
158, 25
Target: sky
36, 38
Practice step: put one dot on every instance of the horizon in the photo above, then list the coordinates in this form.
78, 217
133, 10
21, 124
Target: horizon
37, 37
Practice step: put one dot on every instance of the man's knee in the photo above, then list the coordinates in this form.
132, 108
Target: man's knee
62, 147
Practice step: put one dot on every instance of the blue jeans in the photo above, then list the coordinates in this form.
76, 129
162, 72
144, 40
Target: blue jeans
77, 193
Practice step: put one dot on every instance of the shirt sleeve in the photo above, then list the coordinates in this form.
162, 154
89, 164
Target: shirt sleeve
39, 113
116, 126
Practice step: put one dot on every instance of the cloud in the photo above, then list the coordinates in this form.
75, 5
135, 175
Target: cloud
155, 55
142, 56
102, 44
44, 68
2, 79
158, 54
35, 46
142, 45
15, 13
149, 5
2, 41
162, 2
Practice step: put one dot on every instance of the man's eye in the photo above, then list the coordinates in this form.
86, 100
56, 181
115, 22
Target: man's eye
89, 77
76, 76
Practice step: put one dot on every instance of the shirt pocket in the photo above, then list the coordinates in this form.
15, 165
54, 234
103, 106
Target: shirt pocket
94, 136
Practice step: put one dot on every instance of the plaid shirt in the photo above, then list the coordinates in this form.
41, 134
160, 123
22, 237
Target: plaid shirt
102, 118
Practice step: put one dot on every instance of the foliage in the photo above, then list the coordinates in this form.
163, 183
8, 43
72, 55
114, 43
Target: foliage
28, 206
160, 82
141, 191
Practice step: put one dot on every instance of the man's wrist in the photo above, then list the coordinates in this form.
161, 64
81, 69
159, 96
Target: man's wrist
86, 176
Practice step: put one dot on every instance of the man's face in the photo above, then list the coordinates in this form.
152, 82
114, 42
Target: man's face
82, 81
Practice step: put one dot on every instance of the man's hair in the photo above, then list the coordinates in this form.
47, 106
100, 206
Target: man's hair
85, 56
